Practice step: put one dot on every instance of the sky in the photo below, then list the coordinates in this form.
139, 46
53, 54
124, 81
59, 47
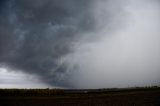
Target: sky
79, 44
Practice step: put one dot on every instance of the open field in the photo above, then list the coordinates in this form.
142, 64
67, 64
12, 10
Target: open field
85, 97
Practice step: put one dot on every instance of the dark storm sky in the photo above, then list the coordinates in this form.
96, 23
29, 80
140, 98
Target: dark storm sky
82, 43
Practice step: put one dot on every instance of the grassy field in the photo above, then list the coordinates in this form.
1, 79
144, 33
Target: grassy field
148, 96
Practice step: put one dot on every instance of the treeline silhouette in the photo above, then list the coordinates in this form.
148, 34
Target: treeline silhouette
30, 92
59, 92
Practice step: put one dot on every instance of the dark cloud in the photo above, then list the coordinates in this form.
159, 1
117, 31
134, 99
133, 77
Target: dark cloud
2, 3
34, 35
73, 43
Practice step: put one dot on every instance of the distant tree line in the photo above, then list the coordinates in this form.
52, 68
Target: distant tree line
30, 92
58, 92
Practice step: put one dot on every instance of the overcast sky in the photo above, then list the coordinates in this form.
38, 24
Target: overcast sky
79, 43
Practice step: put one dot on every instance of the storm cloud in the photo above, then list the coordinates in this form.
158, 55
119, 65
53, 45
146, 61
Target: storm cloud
82, 44
36, 34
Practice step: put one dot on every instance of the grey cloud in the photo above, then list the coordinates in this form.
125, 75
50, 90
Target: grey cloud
72, 43
35, 34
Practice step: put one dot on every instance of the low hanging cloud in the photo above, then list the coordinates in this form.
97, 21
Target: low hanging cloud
35, 35
82, 44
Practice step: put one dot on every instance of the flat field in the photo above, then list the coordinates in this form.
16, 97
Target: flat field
81, 97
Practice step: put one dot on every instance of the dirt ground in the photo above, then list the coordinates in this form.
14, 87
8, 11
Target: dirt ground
145, 98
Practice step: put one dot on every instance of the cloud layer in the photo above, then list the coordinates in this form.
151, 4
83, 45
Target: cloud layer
82, 44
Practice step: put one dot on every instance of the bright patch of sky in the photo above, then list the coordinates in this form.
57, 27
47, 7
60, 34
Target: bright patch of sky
10, 79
